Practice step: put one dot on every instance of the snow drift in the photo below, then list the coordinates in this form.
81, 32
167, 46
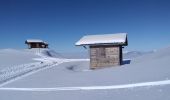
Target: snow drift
149, 73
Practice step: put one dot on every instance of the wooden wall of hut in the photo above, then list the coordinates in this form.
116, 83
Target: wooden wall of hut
105, 56
37, 45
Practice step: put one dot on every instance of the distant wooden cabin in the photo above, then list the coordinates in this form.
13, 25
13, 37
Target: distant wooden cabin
105, 50
35, 43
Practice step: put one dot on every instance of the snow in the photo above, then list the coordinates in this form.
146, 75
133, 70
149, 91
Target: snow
144, 84
34, 40
134, 54
42, 59
102, 39
12, 57
152, 93
12, 73
85, 54
53, 77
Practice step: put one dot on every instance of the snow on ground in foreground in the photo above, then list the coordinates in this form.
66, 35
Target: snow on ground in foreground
125, 86
151, 67
147, 68
143, 93
16, 63
41, 59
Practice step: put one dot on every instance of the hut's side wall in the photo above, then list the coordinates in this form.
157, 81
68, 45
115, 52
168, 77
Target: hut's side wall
37, 45
104, 56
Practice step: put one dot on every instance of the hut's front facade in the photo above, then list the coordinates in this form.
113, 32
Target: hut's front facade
105, 50
36, 43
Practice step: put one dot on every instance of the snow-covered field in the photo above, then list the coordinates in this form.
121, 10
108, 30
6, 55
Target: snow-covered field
11, 57
42, 75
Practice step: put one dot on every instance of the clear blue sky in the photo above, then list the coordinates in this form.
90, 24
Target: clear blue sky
63, 22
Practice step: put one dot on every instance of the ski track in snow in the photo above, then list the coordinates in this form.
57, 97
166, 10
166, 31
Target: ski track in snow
10, 74
13, 73
112, 87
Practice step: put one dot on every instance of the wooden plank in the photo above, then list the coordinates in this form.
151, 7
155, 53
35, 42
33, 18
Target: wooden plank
102, 56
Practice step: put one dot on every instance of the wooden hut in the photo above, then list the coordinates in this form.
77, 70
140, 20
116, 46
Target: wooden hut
105, 50
36, 43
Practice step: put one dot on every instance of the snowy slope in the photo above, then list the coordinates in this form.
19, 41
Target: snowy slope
13, 57
152, 68
148, 93
77, 73
17, 63
51, 53
75, 55
80, 55
40, 59
10, 57
134, 54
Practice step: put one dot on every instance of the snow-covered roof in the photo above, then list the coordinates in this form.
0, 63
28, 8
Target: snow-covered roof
35, 41
117, 38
